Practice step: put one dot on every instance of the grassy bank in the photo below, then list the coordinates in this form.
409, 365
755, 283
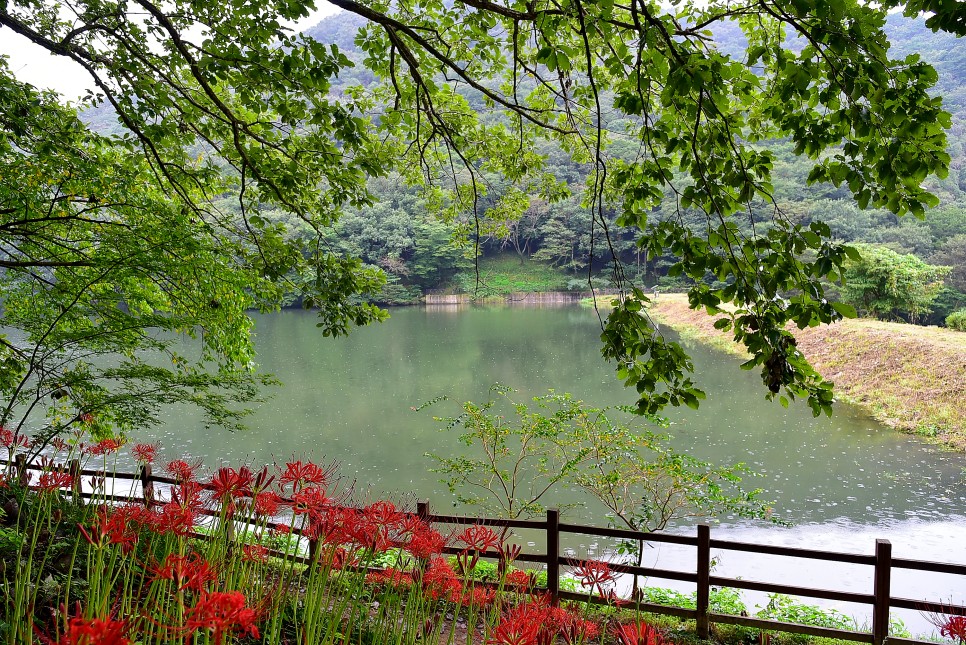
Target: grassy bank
505, 274
909, 377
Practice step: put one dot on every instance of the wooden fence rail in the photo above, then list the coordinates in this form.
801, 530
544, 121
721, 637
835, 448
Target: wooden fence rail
879, 597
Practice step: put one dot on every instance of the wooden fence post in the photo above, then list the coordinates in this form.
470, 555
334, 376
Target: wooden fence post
882, 584
553, 555
75, 478
147, 485
704, 575
20, 466
422, 509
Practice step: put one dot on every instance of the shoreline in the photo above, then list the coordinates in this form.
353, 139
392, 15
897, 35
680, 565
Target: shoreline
907, 377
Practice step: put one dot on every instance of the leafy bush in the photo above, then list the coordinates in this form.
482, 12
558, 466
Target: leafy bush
721, 601
890, 285
957, 320
668, 597
787, 609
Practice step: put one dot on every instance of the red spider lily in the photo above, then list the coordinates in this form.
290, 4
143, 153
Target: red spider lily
517, 628
95, 631
182, 471
478, 597
951, 627
86, 418
637, 633
113, 527
384, 514
424, 541
341, 558
175, 520
229, 484
281, 529
310, 501
221, 613
440, 581
255, 553
12, 440
179, 516
594, 574
54, 480
105, 447
479, 538
518, 578
391, 578
190, 572
266, 503
300, 474
59, 444
326, 526
575, 629
188, 494
145, 453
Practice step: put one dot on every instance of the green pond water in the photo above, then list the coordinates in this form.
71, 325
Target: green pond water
349, 399
842, 481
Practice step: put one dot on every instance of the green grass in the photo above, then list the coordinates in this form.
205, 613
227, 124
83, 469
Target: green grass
505, 274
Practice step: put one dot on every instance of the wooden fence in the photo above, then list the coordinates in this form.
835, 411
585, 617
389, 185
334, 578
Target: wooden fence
879, 596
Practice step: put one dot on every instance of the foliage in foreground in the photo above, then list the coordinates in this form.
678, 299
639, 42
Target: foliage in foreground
275, 556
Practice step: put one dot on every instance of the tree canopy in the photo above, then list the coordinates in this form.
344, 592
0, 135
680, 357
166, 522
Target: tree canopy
118, 235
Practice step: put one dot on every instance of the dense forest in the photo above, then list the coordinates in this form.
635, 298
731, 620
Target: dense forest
419, 250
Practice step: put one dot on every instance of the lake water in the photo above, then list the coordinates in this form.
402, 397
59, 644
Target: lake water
842, 481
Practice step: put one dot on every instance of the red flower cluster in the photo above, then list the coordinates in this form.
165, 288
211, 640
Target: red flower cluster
105, 447
190, 572
12, 440
423, 541
576, 630
300, 474
522, 624
637, 633
266, 503
228, 485
255, 553
478, 597
145, 453
118, 525
479, 538
54, 480
953, 627
536, 622
179, 515
595, 574
221, 613
440, 581
519, 578
82, 631
391, 578
182, 471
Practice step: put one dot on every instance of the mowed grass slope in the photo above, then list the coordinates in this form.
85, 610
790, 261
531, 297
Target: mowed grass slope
909, 377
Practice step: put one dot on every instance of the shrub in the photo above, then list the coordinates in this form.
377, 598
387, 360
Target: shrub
957, 320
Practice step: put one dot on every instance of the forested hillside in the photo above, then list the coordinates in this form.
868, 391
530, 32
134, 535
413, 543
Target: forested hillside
401, 235
419, 251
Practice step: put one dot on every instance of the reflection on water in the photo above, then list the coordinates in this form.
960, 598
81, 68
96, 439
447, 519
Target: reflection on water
843, 481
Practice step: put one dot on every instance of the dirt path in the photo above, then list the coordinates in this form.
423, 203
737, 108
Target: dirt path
909, 377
